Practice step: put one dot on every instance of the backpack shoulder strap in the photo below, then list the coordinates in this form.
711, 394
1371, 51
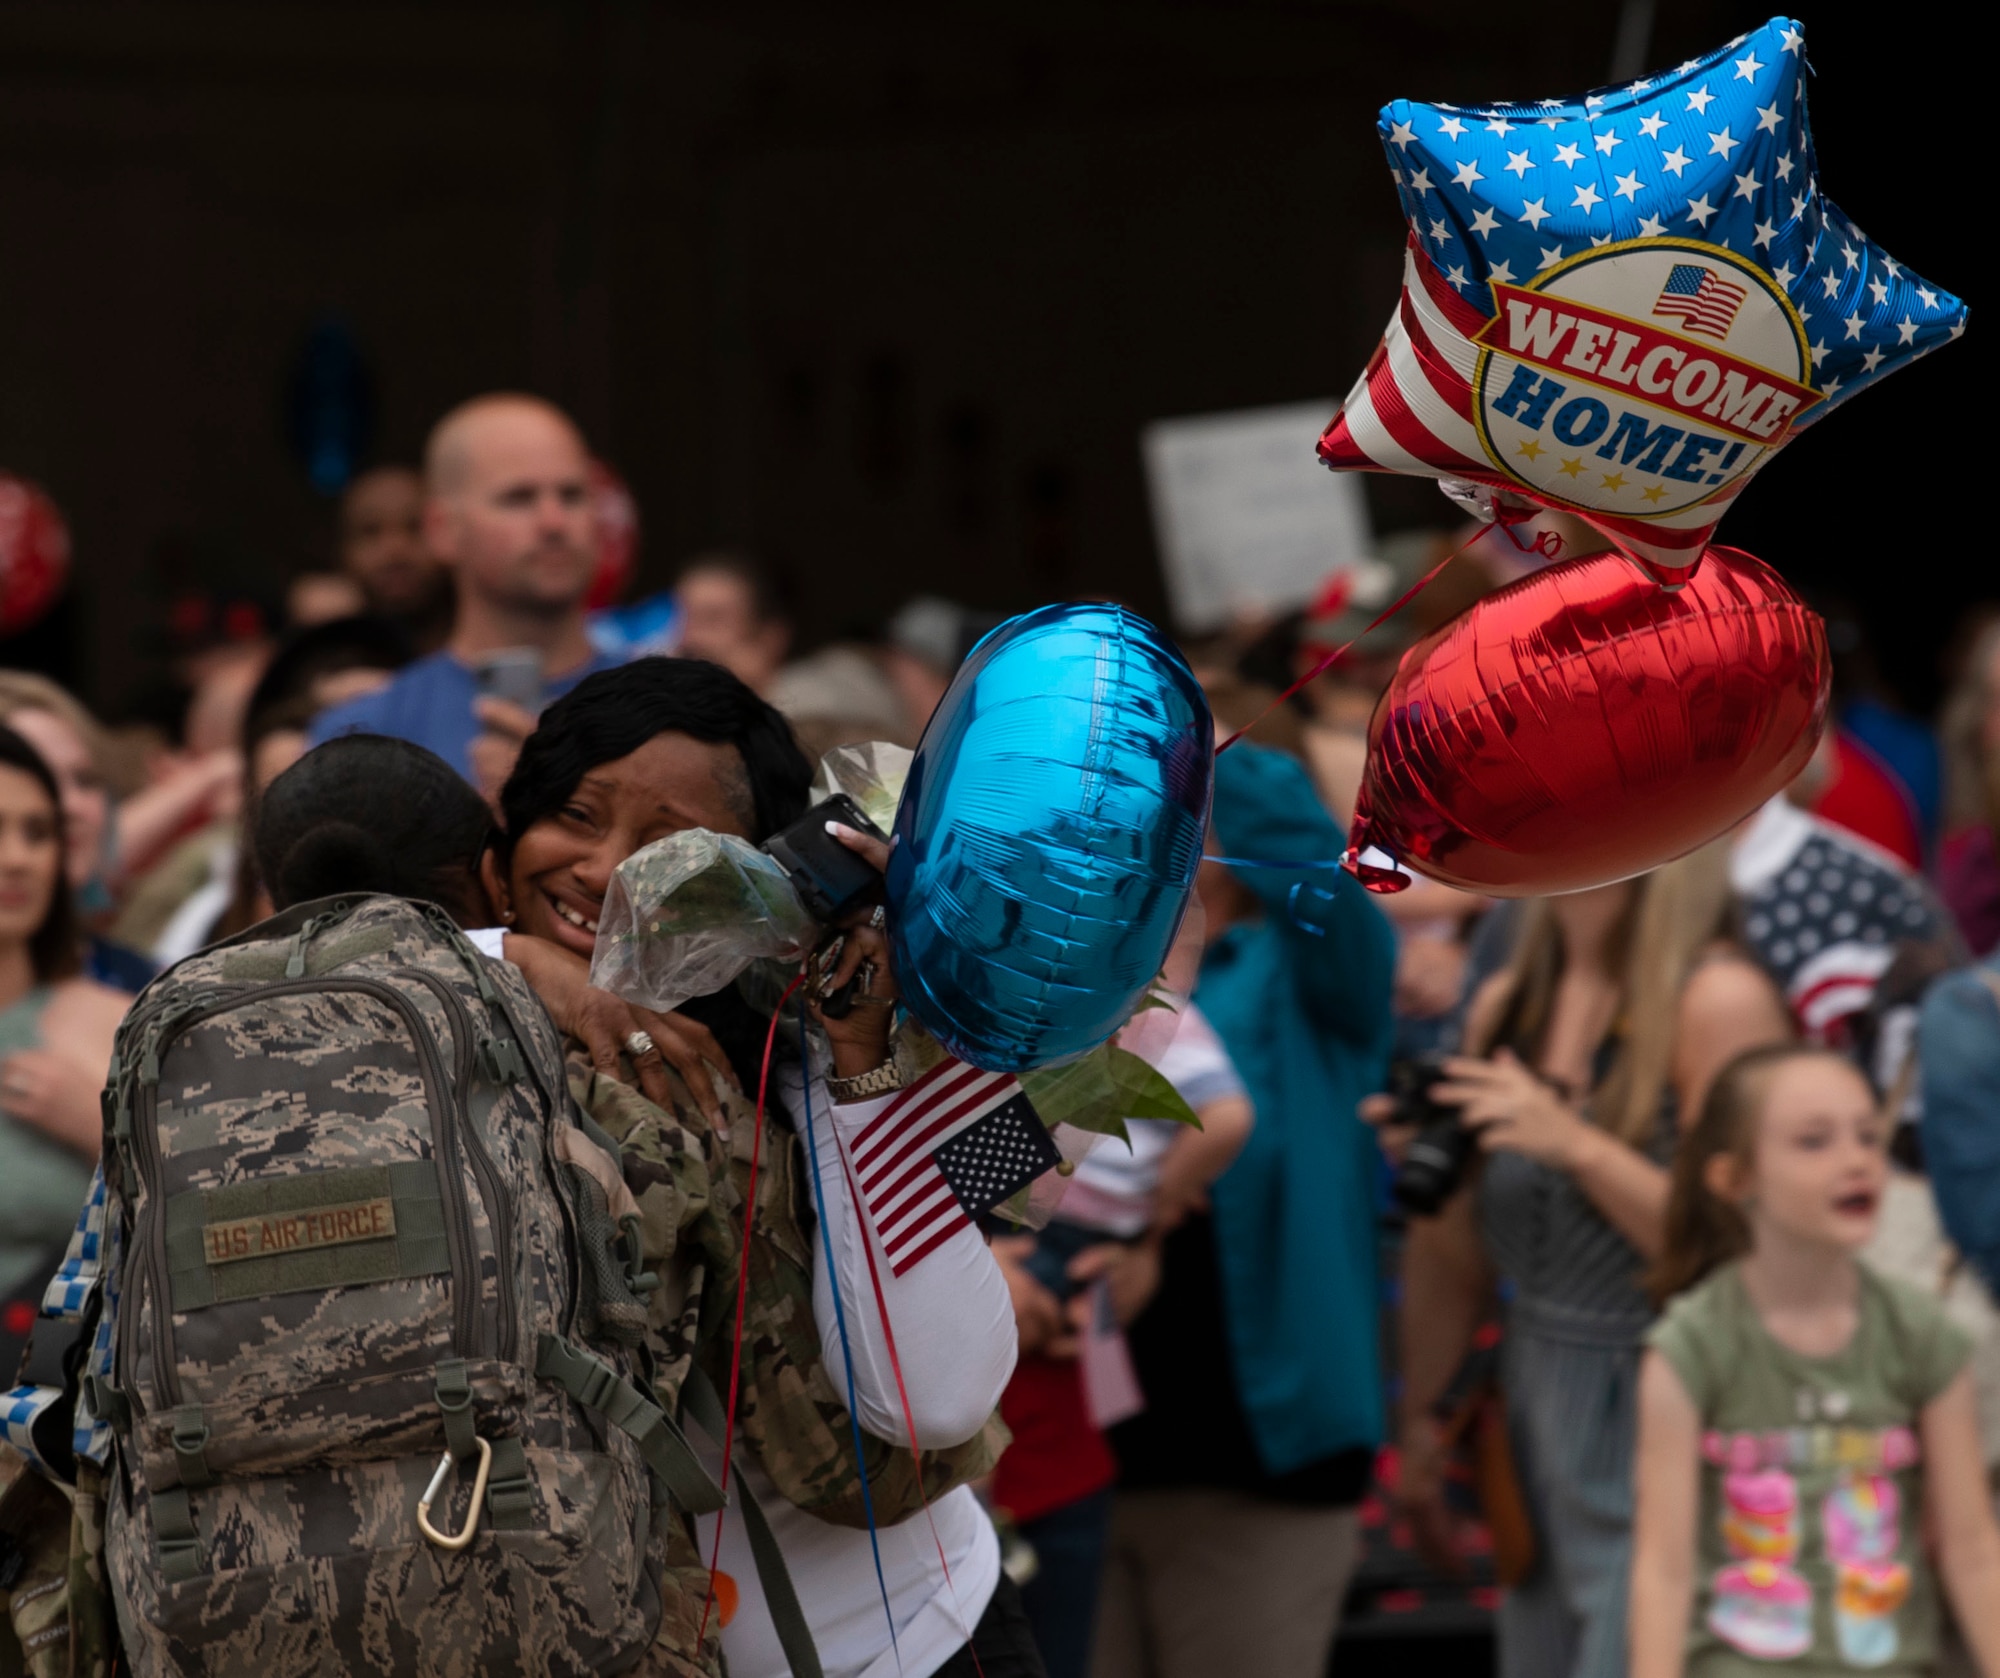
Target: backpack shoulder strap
592, 1382
701, 1402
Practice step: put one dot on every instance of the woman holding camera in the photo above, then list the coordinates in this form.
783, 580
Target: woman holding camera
1584, 1056
628, 757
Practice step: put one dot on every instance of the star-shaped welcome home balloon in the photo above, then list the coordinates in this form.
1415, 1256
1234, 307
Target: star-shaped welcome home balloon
1624, 306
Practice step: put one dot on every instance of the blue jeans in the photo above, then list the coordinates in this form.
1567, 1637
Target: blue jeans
1061, 1599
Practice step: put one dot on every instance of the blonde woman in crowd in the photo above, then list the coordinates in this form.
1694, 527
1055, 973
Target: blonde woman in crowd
1584, 1057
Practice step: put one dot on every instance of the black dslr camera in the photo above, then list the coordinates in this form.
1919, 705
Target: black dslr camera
833, 883
1435, 1160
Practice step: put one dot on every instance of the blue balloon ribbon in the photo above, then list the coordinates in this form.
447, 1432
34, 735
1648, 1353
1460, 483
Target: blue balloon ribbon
1291, 897
1252, 862
840, 1317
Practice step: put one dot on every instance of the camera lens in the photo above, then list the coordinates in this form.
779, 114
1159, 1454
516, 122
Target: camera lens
1433, 1165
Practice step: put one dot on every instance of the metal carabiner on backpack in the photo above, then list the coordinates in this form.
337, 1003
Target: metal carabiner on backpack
458, 1540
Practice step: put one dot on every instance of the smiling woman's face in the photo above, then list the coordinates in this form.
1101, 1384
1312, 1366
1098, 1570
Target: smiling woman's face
562, 865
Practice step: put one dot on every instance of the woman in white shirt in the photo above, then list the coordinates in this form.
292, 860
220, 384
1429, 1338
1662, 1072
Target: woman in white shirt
658, 747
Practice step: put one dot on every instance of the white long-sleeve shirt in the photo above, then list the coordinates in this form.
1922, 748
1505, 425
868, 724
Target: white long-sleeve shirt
954, 1326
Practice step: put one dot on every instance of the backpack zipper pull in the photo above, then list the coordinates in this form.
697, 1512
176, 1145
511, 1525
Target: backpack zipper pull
295, 963
502, 1060
474, 962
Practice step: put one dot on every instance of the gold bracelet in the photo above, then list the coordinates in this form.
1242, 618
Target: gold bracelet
878, 1080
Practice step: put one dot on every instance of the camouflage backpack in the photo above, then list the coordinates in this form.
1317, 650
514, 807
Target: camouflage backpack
376, 1379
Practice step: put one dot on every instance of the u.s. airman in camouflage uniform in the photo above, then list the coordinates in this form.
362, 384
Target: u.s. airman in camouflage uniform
362, 1223
688, 1183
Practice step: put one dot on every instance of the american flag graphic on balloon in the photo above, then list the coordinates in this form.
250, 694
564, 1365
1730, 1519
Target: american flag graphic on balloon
1700, 299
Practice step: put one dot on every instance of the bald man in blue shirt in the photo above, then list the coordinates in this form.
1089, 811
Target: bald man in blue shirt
508, 509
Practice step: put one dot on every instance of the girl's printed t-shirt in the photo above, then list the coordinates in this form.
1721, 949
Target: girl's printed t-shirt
1808, 1553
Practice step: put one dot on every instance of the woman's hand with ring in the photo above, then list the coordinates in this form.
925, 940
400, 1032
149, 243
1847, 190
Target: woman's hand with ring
608, 1025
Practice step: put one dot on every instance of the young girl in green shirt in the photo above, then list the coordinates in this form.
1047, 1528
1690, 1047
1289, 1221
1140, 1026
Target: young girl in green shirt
1804, 1424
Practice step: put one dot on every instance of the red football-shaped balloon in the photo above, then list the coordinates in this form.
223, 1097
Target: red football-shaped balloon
1584, 724
617, 536
34, 553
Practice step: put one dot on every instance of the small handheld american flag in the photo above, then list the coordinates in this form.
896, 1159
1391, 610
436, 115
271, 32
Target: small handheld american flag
952, 1146
1700, 299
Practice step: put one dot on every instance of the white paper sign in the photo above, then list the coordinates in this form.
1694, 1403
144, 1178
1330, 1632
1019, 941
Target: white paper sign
1248, 520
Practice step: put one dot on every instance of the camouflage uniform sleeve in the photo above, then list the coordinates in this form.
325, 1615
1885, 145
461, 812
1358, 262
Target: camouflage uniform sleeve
670, 1164
93, 1618
674, 1167
682, 1648
789, 1411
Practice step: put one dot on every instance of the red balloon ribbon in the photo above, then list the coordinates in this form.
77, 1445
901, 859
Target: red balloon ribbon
742, 1287
1546, 542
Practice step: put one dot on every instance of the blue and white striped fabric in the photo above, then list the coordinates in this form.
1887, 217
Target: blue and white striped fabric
1576, 1325
90, 1265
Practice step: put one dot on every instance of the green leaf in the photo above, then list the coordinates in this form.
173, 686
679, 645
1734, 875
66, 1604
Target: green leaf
1101, 1090
1081, 1093
1145, 1091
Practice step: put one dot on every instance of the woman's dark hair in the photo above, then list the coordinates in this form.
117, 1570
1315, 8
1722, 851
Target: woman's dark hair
52, 946
614, 713
368, 813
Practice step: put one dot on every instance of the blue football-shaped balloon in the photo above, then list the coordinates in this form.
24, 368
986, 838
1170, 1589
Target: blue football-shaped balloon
1048, 835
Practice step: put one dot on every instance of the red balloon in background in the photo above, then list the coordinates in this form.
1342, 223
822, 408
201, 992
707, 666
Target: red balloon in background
617, 536
34, 553
1584, 724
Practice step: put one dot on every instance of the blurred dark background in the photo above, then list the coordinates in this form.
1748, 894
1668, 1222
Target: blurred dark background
884, 292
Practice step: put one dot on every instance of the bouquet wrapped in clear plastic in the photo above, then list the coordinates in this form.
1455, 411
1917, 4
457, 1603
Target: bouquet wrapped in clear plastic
686, 915
689, 913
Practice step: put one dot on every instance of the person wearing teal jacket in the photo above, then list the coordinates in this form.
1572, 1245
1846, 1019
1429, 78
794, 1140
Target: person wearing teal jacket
1236, 1515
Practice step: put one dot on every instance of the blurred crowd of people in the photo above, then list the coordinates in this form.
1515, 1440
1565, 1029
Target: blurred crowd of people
1239, 1356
